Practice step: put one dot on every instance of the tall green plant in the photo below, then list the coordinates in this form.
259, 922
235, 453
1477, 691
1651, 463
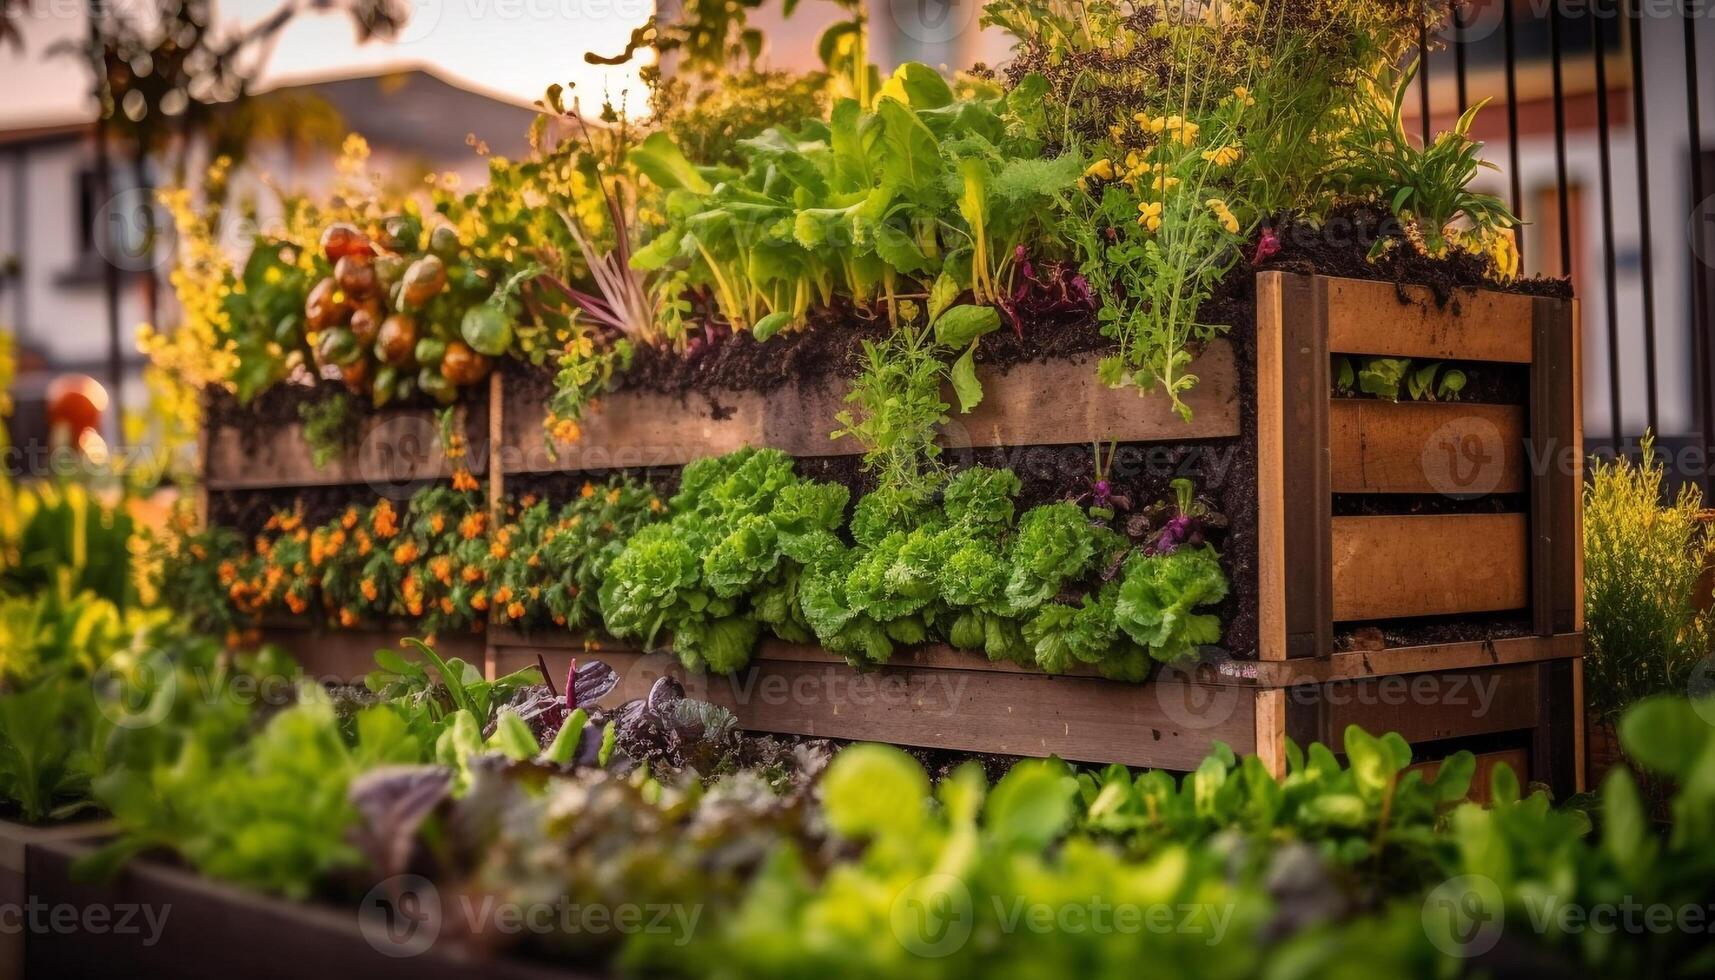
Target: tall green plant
1642, 563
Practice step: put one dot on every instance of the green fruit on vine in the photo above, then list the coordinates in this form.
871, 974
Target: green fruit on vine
385, 387
401, 233
390, 269
430, 350
437, 386
338, 345
444, 243
487, 329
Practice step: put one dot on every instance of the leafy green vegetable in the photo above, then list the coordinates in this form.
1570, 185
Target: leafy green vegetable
1158, 595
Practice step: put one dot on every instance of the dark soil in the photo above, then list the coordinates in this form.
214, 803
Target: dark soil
1431, 629
1370, 504
1341, 245
1486, 383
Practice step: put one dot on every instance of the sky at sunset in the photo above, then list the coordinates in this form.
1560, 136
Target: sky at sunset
514, 48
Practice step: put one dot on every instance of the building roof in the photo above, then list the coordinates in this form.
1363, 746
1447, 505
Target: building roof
412, 108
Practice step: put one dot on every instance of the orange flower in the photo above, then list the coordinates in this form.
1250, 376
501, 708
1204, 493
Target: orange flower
347, 618
228, 572
447, 606
364, 543
479, 602
370, 592
503, 594
441, 566
588, 491
437, 523
472, 526
385, 522
497, 550
406, 553
472, 574
295, 603
463, 481
529, 500
566, 430
349, 519
613, 495
515, 611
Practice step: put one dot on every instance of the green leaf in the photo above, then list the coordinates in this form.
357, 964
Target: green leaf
963, 324
965, 383
874, 790
661, 161
942, 294
1031, 805
918, 86
512, 737
911, 163
1665, 735
771, 324
564, 748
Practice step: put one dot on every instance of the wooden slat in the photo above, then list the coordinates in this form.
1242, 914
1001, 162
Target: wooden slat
1271, 731
1557, 449
1294, 568
1167, 724
1049, 403
394, 451
1355, 664
348, 655
1460, 450
1433, 706
1366, 317
1429, 565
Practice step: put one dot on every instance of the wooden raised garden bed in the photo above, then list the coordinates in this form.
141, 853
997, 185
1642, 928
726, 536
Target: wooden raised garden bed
204, 929
1416, 564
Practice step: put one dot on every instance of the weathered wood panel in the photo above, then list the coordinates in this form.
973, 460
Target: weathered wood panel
1367, 317
394, 450
1049, 403
1429, 707
1429, 565
1167, 724
331, 655
1518, 760
1294, 565
1460, 450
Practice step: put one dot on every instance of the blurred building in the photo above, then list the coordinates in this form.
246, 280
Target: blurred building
57, 231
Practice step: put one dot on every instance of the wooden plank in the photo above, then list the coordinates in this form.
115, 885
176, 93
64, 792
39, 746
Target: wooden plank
1483, 777
1429, 565
189, 926
1429, 707
1046, 403
1557, 448
1271, 731
1168, 724
395, 449
1459, 450
1357, 664
346, 656
17, 889
1366, 317
1294, 563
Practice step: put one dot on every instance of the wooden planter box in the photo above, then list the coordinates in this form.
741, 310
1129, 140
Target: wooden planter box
395, 450
1318, 575
19, 845
206, 929
347, 656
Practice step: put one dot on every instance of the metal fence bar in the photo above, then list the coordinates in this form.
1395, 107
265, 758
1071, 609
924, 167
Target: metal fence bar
1609, 276
1514, 170
1700, 270
1561, 184
1646, 247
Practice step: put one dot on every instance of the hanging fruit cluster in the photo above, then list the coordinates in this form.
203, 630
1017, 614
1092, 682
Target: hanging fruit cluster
403, 312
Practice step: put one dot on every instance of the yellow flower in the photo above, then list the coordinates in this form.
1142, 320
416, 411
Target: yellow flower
1102, 169
1149, 215
1223, 156
1149, 123
1188, 133
1243, 95
1224, 215
1164, 183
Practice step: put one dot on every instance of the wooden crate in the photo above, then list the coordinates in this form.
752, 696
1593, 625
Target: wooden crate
1318, 575
207, 929
346, 656
18, 844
